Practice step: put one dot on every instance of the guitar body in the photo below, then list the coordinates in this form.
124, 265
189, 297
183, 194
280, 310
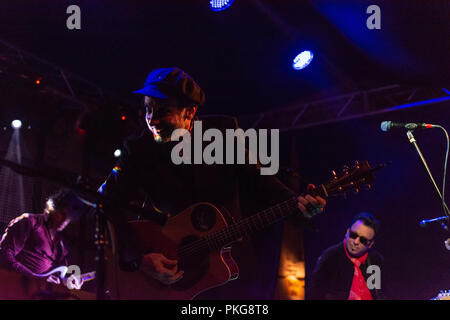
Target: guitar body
203, 270
15, 286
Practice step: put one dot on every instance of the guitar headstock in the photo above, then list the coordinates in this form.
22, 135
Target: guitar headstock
351, 180
443, 295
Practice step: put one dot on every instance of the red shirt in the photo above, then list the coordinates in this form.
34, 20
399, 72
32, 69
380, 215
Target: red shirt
358, 290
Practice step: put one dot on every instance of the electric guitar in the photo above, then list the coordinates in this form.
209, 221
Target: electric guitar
16, 286
443, 295
61, 272
200, 238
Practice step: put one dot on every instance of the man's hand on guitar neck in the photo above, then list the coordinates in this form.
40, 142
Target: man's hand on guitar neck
309, 205
160, 268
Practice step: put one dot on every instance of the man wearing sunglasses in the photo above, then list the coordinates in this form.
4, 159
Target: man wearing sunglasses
171, 100
345, 271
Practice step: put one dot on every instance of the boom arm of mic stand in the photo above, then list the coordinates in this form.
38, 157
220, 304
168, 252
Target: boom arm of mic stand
414, 142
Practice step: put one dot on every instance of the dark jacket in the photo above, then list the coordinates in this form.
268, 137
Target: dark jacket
146, 169
333, 275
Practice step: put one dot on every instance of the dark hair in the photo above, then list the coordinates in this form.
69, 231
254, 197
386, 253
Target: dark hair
368, 220
180, 102
184, 102
59, 199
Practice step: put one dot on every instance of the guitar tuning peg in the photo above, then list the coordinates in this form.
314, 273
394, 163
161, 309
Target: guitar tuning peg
356, 163
345, 169
334, 174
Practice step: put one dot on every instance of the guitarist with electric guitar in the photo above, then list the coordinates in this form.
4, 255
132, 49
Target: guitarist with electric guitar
32, 244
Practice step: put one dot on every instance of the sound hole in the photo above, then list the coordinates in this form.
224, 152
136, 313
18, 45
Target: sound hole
193, 259
203, 218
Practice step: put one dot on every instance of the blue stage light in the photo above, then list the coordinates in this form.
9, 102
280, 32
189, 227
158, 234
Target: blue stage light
302, 60
219, 5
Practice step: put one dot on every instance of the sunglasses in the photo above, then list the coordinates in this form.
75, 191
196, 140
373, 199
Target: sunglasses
363, 240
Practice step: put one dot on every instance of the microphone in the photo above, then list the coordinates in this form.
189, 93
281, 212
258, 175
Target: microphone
388, 125
424, 223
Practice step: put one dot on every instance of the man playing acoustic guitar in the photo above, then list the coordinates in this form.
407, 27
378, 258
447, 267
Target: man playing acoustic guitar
171, 101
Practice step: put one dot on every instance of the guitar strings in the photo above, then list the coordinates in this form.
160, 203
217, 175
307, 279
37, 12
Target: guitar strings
220, 238
235, 230
272, 214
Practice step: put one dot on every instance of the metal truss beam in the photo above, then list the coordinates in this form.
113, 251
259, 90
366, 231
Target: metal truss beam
55, 80
345, 107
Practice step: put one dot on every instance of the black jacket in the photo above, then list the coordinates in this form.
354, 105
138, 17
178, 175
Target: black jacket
146, 169
333, 275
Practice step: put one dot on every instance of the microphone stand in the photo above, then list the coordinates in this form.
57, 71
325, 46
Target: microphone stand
100, 242
412, 139
100, 237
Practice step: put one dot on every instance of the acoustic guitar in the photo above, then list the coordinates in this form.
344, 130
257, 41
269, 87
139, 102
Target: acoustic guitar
200, 238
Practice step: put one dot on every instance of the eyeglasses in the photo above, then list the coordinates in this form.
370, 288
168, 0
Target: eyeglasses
363, 240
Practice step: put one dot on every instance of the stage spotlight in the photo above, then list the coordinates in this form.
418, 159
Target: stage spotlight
117, 153
302, 60
219, 5
16, 124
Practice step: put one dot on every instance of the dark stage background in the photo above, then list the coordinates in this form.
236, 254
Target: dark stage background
417, 265
242, 58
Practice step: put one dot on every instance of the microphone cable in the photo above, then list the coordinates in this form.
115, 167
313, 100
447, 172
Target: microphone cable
447, 213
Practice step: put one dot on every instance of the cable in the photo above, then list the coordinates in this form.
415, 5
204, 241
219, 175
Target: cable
445, 171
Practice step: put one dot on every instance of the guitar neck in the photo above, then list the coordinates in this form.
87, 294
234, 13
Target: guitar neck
258, 221
88, 276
